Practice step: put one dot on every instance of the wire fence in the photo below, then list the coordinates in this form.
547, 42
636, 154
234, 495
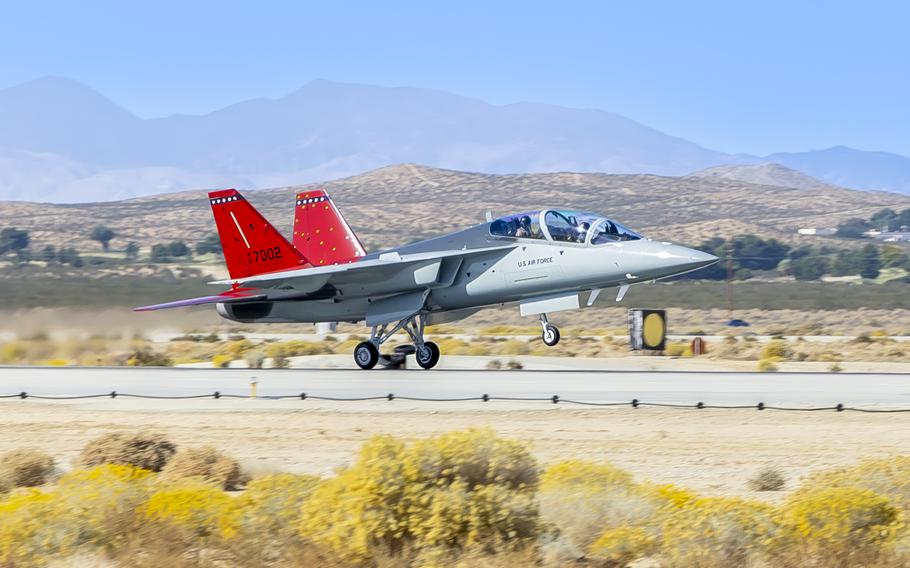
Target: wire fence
554, 399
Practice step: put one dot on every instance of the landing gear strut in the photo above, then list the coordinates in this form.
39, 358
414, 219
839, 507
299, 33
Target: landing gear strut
367, 355
550, 333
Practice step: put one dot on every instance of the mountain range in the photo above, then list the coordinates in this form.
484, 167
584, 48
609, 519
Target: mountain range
397, 204
61, 141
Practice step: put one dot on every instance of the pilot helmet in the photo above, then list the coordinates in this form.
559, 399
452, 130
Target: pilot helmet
525, 222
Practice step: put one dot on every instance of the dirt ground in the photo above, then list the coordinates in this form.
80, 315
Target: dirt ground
711, 451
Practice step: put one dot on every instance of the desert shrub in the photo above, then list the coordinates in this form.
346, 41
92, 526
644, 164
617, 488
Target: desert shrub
149, 451
837, 526
716, 532
584, 475
676, 349
25, 468
148, 358
494, 364
580, 501
768, 479
28, 530
145, 450
238, 348
621, 545
268, 519
280, 362
297, 348
13, 352
862, 338
776, 349
207, 464
767, 366
458, 347
221, 361
99, 505
452, 491
195, 508
511, 347
271, 503
514, 365
889, 477
254, 359
835, 368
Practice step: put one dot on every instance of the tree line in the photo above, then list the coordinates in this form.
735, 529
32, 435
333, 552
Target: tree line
885, 220
16, 244
750, 253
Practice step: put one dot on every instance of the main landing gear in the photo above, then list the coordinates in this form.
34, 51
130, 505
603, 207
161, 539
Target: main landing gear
550, 333
367, 354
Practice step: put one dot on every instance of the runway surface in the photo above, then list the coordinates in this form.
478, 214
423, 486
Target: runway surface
721, 388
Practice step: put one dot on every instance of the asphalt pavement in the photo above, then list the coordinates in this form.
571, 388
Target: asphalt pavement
874, 390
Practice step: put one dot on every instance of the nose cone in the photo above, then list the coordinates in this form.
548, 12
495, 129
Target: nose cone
692, 259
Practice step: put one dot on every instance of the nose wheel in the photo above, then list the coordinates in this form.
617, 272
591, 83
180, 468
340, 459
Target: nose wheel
550, 335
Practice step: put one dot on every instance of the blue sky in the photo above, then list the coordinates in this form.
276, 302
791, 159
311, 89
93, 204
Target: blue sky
752, 77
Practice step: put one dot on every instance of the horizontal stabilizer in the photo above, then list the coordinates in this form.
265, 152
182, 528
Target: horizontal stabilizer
231, 296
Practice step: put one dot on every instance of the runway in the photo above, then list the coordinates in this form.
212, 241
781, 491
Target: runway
667, 387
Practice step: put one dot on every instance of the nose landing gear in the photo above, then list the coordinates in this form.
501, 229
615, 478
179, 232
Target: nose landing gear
550, 333
367, 354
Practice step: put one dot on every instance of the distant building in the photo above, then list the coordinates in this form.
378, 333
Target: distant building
888, 236
819, 232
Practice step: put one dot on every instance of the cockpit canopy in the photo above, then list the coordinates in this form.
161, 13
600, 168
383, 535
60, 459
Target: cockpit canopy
562, 226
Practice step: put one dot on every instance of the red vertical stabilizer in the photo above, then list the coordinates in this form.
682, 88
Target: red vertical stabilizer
320, 232
251, 245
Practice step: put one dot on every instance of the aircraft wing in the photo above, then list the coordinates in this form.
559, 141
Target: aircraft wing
232, 295
300, 283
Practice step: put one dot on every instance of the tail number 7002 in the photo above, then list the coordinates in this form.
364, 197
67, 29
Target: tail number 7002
263, 255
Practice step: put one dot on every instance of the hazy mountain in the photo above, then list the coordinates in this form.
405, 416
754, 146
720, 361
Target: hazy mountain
62, 141
321, 131
847, 167
763, 174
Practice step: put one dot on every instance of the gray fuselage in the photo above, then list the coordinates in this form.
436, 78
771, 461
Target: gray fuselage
522, 270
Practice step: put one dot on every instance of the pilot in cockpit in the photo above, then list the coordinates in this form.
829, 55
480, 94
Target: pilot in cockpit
582, 231
524, 227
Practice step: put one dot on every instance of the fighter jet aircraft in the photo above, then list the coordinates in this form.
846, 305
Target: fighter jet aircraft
540, 261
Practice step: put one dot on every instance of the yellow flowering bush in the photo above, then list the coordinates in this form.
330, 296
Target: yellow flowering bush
889, 477
222, 361
270, 505
585, 476
30, 529
195, 507
99, 504
621, 545
454, 490
580, 500
716, 532
296, 348
776, 350
838, 524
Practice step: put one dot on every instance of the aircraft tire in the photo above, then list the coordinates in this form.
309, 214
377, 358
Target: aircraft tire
550, 335
366, 355
428, 356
